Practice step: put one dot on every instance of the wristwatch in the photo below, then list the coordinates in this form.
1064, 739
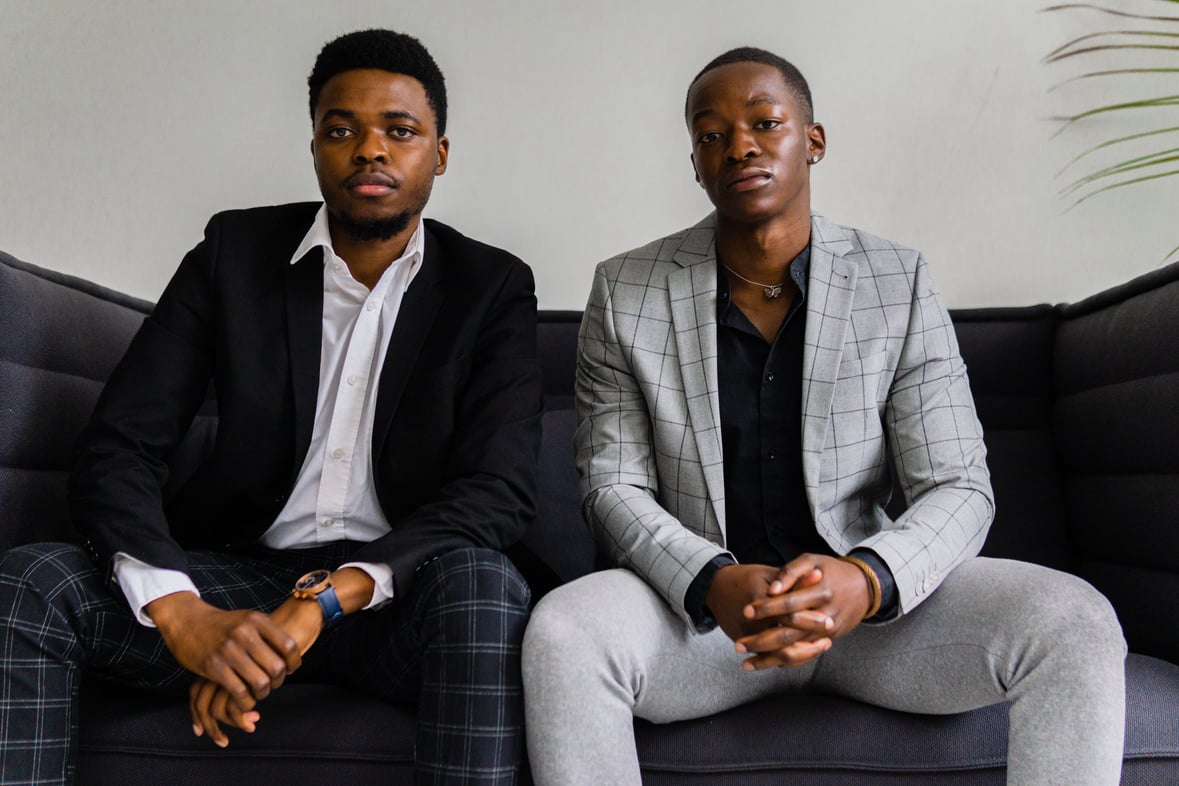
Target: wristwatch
317, 586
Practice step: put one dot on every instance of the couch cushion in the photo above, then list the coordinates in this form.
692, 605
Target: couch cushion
1116, 421
829, 740
129, 737
133, 738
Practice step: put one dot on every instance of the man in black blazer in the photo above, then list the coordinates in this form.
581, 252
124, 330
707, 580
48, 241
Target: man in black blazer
378, 428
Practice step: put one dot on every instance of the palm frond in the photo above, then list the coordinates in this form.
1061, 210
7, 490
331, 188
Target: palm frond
1114, 72
1154, 159
1124, 42
1112, 186
1115, 12
1118, 141
1111, 48
1145, 103
1051, 57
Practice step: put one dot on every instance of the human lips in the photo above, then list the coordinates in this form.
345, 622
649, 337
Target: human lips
370, 183
748, 179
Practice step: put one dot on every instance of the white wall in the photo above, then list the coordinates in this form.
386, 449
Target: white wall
125, 123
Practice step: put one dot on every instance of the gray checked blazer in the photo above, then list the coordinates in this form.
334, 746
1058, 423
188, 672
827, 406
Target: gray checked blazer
881, 375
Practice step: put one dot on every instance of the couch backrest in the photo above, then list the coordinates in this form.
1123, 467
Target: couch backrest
60, 337
1116, 427
1008, 354
1080, 406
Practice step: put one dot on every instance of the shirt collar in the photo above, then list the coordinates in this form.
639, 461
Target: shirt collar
320, 236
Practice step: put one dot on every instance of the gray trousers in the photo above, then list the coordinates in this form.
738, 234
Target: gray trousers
606, 648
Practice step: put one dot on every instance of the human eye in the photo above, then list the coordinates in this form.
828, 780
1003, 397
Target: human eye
768, 124
403, 132
706, 137
338, 132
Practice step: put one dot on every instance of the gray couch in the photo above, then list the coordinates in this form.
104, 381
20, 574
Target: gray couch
1081, 409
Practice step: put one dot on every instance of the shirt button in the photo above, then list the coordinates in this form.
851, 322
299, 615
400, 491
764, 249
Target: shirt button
370, 306
336, 266
771, 455
338, 453
770, 377
327, 522
352, 380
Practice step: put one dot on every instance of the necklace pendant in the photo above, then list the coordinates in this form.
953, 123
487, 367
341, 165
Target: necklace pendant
772, 292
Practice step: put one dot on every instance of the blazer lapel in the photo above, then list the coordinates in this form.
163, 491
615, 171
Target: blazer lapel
419, 307
692, 292
304, 301
830, 290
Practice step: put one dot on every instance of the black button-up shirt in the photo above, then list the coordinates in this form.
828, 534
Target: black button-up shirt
767, 517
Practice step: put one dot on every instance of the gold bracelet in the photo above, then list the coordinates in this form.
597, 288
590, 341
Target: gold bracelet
877, 596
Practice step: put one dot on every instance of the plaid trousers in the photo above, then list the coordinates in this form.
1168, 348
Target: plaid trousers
452, 646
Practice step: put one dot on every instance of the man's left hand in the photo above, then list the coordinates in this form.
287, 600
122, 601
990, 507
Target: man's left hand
211, 705
843, 594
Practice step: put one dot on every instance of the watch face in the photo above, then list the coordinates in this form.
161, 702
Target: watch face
312, 580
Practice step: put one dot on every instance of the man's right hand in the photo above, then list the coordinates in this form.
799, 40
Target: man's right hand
734, 590
245, 652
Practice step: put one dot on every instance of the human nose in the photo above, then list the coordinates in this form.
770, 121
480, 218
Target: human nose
742, 145
370, 147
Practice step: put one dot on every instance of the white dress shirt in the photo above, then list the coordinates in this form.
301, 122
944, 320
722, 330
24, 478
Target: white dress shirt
334, 497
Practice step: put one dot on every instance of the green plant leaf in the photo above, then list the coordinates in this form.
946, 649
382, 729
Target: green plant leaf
1154, 159
1117, 141
1052, 56
1112, 186
1113, 12
1115, 72
1146, 103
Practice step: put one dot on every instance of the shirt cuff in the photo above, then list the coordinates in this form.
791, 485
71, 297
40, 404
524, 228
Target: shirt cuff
382, 576
889, 600
142, 583
698, 591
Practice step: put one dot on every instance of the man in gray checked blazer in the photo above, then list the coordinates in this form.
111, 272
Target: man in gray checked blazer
742, 386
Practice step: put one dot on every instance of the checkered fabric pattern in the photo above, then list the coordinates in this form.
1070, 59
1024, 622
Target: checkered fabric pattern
452, 647
881, 372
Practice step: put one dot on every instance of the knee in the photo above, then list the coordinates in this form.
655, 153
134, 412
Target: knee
568, 632
476, 584
552, 633
42, 566
1074, 615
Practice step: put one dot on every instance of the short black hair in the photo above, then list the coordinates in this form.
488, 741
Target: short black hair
384, 50
794, 79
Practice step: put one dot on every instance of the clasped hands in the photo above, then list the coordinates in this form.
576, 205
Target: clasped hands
788, 616
239, 657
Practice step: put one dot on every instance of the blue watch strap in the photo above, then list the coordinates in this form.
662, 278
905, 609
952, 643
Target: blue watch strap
330, 605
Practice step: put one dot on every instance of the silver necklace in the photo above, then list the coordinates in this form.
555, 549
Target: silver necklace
771, 291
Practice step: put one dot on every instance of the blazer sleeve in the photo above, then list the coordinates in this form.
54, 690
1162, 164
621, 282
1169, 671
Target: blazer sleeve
120, 463
937, 448
487, 496
615, 447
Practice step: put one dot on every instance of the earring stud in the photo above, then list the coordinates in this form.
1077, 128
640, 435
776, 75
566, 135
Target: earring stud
815, 160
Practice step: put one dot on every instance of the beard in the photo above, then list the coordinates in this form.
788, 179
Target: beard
367, 229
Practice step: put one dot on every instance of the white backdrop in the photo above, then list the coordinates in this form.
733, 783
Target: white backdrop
125, 123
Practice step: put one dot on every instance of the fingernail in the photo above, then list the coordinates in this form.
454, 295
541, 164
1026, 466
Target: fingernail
776, 586
747, 665
740, 647
221, 743
197, 730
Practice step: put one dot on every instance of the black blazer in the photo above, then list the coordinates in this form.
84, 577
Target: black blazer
456, 433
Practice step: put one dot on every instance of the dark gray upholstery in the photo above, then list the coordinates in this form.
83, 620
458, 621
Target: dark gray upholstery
1079, 407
